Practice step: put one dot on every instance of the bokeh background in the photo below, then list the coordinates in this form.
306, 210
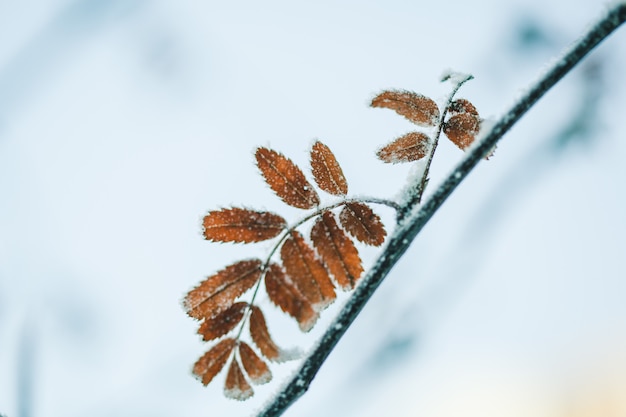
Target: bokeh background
122, 122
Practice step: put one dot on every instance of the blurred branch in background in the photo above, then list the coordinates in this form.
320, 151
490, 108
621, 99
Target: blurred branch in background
26, 365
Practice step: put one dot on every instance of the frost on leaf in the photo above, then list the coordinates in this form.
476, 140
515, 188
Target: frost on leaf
462, 105
214, 327
326, 170
285, 295
407, 148
307, 272
242, 225
417, 108
212, 362
286, 179
362, 223
217, 292
261, 337
236, 386
255, 367
461, 129
336, 250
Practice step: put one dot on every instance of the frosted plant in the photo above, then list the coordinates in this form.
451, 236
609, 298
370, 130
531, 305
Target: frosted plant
303, 278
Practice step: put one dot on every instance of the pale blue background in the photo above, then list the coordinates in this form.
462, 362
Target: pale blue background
123, 122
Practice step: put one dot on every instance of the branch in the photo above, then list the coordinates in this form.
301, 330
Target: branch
413, 223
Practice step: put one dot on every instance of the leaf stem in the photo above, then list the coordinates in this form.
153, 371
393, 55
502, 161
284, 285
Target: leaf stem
417, 191
287, 232
414, 221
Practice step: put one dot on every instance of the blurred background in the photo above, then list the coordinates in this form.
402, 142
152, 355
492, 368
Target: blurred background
123, 122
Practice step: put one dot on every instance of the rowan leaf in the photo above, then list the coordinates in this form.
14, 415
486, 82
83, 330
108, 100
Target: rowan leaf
462, 105
255, 367
417, 108
286, 179
217, 292
261, 337
326, 170
362, 223
236, 386
214, 327
285, 295
212, 362
307, 272
336, 250
406, 148
242, 225
461, 129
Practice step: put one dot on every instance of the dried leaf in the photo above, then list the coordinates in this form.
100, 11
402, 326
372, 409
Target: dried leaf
236, 386
307, 272
362, 223
242, 225
461, 129
337, 250
218, 326
212, 362
286, 179
261, 336
285, 295
419, 109
326, 170
462, 105
255, 367
407, 148
217, 292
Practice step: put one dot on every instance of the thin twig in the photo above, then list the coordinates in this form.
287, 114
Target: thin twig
402, 237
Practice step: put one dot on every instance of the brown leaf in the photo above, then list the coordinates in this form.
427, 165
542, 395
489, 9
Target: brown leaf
407, 148
217, 292
212, 362
242, 225
337, 250
286, 179
236, 386
218, 326
261, 336
326, 170
255, 367
461, 129
307, 272
285, 295
362, 223
419, 109
462, 105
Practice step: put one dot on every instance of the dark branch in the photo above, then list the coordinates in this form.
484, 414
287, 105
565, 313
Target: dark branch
404, 234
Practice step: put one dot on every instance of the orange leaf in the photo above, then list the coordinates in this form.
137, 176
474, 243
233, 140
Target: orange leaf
261, 336
212, 362
242, 225
217, 292
461, 129
337, 250
361, 222
462, 105
236, 386
285, 295
255, 367
419, 109
307, 272
218, 326
286, 179
407, 148
326, 170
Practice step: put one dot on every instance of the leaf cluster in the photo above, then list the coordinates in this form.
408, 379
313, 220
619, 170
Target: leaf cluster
302, 282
